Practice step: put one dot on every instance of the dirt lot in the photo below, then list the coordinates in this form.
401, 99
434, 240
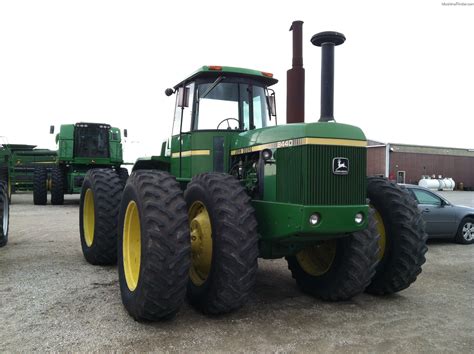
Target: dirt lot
51, 299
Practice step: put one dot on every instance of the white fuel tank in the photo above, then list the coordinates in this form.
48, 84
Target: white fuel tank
429, 183
440, 184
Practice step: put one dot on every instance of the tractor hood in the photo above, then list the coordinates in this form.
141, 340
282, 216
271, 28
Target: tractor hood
324, 133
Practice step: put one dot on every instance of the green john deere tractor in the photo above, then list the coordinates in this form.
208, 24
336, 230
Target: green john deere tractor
4, 213
17, 164
231, 185
81, 147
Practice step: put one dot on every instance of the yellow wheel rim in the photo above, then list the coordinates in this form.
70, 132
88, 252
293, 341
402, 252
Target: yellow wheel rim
88, 217
381, 231
201, 243
132, 246
317, 259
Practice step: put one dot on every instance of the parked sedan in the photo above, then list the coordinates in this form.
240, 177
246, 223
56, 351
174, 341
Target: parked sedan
443, 219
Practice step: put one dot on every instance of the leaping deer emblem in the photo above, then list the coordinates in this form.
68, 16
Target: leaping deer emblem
341, 165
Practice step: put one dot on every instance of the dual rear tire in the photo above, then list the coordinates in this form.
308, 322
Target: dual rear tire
40, 186
202, 244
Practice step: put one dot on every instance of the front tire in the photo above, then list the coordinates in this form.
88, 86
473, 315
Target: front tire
98, 212
4, 177
337, 269
40, 191
4, 214
153, 246
403, 237
224, 243
57, 186
465, 234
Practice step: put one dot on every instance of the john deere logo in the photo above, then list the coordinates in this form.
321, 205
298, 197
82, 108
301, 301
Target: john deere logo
340, 166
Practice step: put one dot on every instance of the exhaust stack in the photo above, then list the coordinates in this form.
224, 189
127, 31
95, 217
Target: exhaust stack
327, 41
295, 78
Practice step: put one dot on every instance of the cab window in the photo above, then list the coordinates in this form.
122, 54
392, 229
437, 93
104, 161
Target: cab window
260, 108
217, 107
229, 105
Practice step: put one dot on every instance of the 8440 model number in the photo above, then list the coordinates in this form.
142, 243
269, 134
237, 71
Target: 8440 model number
285, 143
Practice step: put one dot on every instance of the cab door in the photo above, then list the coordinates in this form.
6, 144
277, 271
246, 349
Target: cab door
210, 151
217, 118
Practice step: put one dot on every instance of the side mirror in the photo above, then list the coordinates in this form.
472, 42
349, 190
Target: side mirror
125, 133
169, 92
272, 104
51, 129
183, 97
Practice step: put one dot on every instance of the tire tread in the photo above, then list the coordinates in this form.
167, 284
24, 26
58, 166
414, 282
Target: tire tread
406, 237
235, 243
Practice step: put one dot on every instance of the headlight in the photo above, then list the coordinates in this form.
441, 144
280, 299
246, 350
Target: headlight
359, 218
314, 219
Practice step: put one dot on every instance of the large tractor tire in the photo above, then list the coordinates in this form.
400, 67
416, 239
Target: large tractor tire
338, 269
123, 175
402, 237
57, 186
153, 246
224, 246
98, 216
4, 214
40, 190
4, 177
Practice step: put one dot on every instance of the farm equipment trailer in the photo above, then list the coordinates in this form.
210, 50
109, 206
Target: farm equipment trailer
17, 164
231, 185
81, 147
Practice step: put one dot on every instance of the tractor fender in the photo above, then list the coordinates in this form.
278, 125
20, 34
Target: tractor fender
161, 163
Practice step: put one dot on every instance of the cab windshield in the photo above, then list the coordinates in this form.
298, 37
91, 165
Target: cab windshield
91, 140
231, 105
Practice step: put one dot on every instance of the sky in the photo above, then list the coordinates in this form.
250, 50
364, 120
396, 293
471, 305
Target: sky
404, 75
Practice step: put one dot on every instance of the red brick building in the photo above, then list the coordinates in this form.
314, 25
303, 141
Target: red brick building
407, 163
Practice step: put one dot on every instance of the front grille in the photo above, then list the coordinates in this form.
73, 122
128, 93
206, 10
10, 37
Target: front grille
304, 175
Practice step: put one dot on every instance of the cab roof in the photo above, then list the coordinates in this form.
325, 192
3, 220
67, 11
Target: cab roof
210, 71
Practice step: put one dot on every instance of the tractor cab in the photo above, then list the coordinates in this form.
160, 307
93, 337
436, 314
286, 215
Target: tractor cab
91, 140
213, 105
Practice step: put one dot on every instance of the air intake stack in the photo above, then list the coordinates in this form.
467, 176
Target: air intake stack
295, 78
327, 41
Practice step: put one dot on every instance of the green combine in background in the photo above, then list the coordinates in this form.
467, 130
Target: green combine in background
18, 162
231, 185
81, 147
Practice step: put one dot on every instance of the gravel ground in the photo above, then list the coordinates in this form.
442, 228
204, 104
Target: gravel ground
51, 299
